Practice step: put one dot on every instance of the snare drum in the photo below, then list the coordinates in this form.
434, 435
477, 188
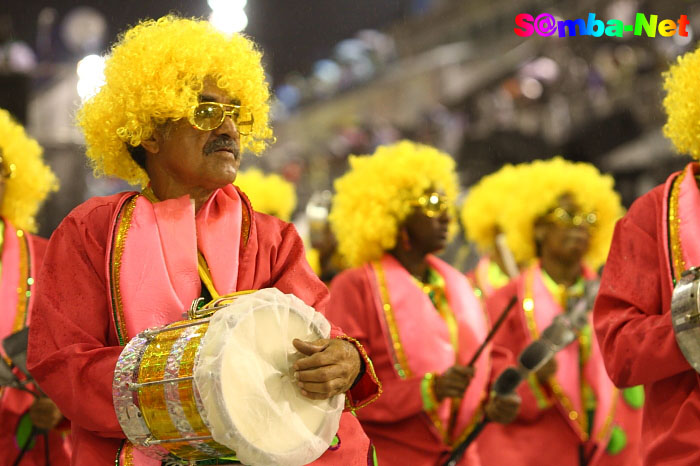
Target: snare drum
222, 385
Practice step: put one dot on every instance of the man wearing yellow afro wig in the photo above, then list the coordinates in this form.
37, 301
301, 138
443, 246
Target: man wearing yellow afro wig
180, 103
654, 244
559, 221
25, 182
418, 317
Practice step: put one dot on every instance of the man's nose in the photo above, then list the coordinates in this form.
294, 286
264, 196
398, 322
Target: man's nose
229, 128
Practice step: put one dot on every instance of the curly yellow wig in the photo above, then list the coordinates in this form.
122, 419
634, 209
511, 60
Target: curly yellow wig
682, 85
543, 183
485, 204
269, 194
374, 197
154, 74
31, 180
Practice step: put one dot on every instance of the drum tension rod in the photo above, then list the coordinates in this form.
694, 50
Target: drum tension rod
135, 386
150, 333
154, 441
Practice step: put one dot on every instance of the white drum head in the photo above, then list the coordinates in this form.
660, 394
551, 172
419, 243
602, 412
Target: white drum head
245, 379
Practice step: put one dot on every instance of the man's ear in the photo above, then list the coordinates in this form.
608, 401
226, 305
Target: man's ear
152, 144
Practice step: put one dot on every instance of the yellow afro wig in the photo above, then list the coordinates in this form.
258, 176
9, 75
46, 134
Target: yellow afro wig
485, 204
31, 180
682, 85
154, 74
543, 183
374, 197
269, 194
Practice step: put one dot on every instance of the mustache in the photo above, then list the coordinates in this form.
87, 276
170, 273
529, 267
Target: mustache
222, 142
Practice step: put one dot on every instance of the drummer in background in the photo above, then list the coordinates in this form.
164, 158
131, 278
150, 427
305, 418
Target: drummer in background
25, 181
417, 317
653, 245
481, 217
158, 122
560, 220
268, 193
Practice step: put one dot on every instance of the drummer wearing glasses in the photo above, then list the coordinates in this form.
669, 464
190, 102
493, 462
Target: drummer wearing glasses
418, 317
180, 104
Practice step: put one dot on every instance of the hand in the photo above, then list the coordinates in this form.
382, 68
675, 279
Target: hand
547, 371
454, 382
329, 369
44, 414
503, 408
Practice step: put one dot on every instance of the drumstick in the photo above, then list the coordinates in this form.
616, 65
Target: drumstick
456, 402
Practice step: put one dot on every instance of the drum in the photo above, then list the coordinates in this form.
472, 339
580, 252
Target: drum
221, 384
685, 315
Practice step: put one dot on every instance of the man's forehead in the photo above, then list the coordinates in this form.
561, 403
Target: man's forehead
212, 93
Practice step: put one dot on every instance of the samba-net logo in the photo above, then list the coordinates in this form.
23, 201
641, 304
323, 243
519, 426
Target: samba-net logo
546, 25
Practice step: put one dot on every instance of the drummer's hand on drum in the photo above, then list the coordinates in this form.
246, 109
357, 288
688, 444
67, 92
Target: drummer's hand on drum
453, 382
44, 414
329, 368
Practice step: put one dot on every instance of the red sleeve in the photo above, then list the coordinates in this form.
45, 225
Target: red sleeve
292, 273
508, 343
352, 308
70, 352
631, 313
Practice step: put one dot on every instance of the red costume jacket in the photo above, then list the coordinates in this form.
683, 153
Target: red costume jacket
21, 261
74, 344
633, 323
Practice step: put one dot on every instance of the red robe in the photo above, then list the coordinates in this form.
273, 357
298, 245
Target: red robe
633, 324
396, 423
15, 404
541, 435
74, 345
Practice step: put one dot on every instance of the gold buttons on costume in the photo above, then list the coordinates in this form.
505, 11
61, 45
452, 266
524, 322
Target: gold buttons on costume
528, 304
573, 415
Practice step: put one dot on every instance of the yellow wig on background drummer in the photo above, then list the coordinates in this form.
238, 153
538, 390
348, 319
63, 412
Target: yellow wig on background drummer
29, 179
150, 85
268, 193
543, 184
681, 104
375, 196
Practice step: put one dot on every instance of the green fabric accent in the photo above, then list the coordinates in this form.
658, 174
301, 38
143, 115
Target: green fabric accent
335, 441
634, 396
375, 461
496, 276
24, 432
618, 441
540, 398
428, 404
577, 289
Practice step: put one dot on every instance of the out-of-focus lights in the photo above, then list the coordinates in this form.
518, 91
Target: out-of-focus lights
90, 75
531, 88
228, 16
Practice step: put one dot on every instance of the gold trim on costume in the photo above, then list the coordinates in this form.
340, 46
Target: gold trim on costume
529, 310
369, 368
401, 363
23, 285
119, 243
205, 275
675, 228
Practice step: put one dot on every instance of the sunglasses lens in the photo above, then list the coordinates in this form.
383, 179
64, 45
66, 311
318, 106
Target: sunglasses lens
208, 116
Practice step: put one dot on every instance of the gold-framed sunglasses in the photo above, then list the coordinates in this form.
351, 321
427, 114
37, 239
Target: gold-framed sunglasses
562, 217
432, 204
208, 116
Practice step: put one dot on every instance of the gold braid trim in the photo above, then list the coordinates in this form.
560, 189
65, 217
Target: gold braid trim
674, 222
401, 364
369, 369
23, 285
119, 242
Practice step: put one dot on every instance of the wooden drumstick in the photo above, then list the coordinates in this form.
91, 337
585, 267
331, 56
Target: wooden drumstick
457, 402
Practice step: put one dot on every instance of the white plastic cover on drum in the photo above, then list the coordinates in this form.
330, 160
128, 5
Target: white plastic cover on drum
245, 378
